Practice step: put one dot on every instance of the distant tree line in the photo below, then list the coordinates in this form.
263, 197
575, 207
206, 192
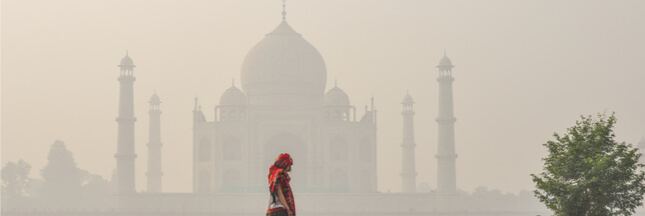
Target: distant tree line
63, 186
484, 199
487, 200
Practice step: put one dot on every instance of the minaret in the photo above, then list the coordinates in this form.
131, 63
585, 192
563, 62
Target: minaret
125, 142
408, 174
154, 146
446, 156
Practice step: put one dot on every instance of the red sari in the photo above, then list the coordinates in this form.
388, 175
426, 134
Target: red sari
278, 175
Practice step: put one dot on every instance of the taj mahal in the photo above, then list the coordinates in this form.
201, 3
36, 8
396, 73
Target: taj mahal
282, 106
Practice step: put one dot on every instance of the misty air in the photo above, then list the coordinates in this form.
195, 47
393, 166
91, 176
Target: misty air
297, 107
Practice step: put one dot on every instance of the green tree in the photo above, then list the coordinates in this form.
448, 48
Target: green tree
588, 173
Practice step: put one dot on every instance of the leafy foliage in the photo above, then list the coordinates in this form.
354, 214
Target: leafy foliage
15, 179
61, 176
588, 173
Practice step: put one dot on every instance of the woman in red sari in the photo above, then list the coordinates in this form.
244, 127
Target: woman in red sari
281, 202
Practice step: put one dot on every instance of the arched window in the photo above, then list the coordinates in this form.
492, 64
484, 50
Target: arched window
364, 149
338, 149
338, 115
204, 184
204, 150
223, 114
338, 180
232, 148
292, 144
366, 181
242, 115
232, 179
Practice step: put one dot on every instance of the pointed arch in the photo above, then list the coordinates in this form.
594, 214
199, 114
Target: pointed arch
286, 142
204, 183
338, 180
338, 148
365, 149
232, 148
232, 181
204, 150
365, 181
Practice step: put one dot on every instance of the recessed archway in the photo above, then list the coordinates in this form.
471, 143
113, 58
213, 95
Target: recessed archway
232, 148
204, 150
288, 143
338, 149
204, 183
339, 181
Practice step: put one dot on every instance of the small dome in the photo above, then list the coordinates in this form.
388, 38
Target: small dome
233, 96
126, 61
408, 100
445, 62
336, 97
154, 99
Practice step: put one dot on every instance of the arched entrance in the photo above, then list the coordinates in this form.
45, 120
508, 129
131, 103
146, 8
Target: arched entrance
289, 143
339, 181
204, 184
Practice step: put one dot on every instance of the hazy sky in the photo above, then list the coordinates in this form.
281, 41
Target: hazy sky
524, 69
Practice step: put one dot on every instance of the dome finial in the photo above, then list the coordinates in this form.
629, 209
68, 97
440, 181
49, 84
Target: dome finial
444, 53
126, 52
335, 82
233, 85
284, 12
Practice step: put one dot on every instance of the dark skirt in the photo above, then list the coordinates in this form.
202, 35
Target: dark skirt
279, 213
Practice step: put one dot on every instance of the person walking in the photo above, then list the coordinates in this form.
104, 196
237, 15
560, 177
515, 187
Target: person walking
281, 202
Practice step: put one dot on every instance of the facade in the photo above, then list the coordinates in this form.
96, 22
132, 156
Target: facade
281, 107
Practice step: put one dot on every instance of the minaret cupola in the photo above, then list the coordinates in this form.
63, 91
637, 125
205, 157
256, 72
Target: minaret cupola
232, 104
337, 106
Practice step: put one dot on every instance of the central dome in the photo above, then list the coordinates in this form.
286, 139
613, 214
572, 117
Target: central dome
284, 69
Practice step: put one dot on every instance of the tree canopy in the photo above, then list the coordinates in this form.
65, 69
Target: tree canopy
588, 173
15, 178
61, 176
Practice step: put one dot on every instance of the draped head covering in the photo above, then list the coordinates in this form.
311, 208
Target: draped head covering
279, 175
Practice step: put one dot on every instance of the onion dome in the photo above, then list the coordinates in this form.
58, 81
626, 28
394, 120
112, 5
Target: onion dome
336, 97
154, 99
284, 69
408, 99
445, 62
126, 61
233, 96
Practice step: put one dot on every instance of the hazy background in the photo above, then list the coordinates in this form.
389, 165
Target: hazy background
524, 69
